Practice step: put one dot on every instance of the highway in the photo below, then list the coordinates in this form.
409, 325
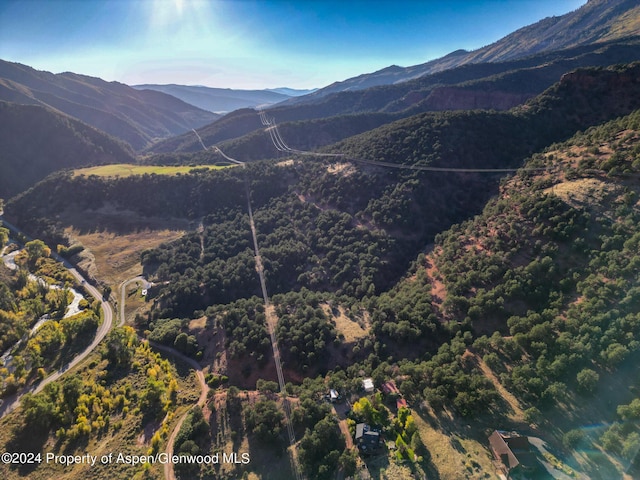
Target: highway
13, 401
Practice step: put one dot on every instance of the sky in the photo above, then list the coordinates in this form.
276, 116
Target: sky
252, 44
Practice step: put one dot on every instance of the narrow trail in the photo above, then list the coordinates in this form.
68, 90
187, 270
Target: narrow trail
516, 414
272, 321
201, 235
169, 473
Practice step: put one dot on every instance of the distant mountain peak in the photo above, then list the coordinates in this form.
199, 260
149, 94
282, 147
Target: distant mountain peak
138, 118
222, 100
594, 22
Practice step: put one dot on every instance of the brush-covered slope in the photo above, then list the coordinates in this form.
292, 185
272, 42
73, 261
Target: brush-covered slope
580, 99
550, 264
546, 282
233, 125
35, 141
297, 203
137, 117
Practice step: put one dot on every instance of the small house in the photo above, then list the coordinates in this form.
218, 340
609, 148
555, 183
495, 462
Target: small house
512, 451
367, 384
390, 388
368, 439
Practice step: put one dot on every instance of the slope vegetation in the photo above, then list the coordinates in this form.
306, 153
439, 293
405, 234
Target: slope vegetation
136, 117
521, 317
546, 281
35, 141
315, 122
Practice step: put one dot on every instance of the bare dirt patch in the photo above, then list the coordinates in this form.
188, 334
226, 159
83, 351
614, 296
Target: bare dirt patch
198, 323
344, 169
243, 372
438, 289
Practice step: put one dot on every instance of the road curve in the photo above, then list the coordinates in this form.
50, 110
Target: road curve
169, 473
12, 402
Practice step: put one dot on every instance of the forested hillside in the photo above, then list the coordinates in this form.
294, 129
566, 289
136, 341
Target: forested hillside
383, 279
534, 297
136, 117
546, 281
36, 141
326, 120
508, 319
391, 214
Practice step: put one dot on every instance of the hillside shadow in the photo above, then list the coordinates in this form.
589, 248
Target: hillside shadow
269, 460
28, 440
119, 221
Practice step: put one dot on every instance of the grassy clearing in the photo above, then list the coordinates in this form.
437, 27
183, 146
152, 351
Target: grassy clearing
129, 169
454, 456
351, 330
585, 191
135, 302
117, 257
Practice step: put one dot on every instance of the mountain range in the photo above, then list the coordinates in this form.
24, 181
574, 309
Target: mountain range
223, 100
136, 117
36, 141
499, 76
498, 85
596, 21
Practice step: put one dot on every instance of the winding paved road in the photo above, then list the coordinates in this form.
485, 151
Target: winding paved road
12, 402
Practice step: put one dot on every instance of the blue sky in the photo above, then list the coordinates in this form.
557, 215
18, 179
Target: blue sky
252, 43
